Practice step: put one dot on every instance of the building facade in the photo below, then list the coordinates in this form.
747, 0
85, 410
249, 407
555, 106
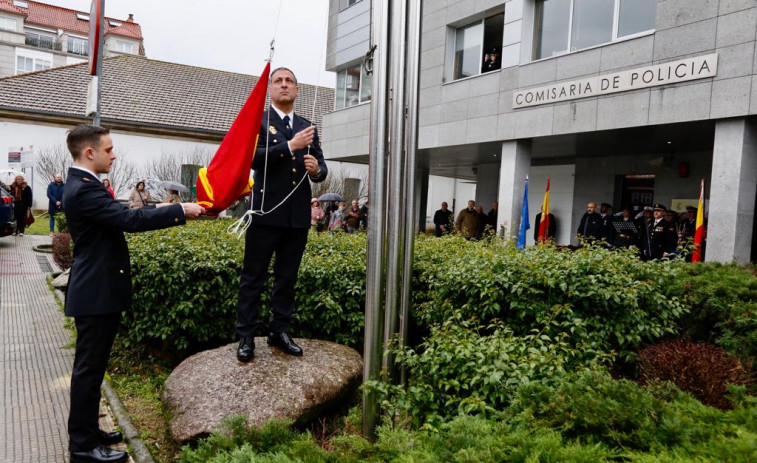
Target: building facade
35, 36
628, 102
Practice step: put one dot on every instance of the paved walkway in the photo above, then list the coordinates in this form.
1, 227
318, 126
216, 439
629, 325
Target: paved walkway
35, 357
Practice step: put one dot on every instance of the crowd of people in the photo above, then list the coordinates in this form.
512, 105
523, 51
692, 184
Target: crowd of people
471, 223
657, 232
336, 217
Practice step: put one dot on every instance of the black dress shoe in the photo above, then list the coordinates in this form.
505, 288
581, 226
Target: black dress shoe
100, 454
109, 438
246, 350
285, 343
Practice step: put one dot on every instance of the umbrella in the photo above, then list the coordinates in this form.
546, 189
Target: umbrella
331, 197
169, 185
7, 176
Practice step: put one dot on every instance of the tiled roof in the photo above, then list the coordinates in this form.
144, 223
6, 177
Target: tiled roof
145, 91
8, 6
42, 14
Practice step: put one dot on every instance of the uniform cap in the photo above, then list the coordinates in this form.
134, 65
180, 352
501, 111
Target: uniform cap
660, 207
691, 209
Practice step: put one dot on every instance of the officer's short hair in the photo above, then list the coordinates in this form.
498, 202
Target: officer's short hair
284, 69
84, 136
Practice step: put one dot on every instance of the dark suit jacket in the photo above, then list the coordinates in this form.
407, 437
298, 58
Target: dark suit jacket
591, 225
284, 172
100, 281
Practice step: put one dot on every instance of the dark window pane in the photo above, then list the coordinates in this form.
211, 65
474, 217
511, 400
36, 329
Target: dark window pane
636, 16
551, 28
468, 50
492, 53
592, 23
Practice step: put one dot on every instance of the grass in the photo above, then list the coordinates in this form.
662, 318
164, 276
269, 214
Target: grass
41, 225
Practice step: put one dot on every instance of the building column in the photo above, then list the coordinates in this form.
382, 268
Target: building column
732, 193
515, 165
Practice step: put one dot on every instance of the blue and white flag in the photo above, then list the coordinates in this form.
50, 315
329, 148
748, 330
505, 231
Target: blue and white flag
524, 224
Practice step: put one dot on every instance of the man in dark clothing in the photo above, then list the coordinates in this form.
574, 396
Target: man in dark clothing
590, 227
482, 222
551, 229
353, 217
491, 219
443, 221
364, 219
294, 154
99, 287
608, 231
492, 61
55, 198
658, 239
467, 221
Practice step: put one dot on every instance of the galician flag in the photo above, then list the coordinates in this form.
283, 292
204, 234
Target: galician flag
524, 224
227, 178
699, 233
544, 222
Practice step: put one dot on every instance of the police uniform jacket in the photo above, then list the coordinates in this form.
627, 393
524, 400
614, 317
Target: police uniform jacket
658, 239
100, 281
283, 173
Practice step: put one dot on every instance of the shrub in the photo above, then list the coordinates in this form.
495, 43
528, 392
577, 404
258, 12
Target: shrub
723, 302
186, 282
63, 254
700, 369
462, 368
610, 300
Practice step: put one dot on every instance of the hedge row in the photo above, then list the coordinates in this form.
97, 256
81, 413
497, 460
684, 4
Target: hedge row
186, 283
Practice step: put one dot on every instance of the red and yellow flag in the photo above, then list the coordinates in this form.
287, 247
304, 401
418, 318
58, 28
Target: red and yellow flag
699, 233
227, 178
544, 222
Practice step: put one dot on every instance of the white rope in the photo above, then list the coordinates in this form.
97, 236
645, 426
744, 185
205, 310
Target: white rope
240, 226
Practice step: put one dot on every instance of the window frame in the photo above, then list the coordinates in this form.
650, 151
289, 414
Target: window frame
569, 39
481, 40
124, 42
72, 40
4, 19
48, 64
344, 4
360, 88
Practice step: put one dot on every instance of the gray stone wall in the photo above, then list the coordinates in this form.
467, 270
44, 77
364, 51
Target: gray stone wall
479, 109
348, 34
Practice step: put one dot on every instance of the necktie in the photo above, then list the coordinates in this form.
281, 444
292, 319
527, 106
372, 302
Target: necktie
289, 128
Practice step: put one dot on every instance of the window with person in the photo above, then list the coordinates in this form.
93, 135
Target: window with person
353, 86
562, 26
478, 47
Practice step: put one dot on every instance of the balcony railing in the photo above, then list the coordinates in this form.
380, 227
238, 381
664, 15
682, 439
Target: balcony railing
41, 41
78, 48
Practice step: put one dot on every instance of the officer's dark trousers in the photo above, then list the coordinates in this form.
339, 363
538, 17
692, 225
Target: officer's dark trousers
94, 340
261, 244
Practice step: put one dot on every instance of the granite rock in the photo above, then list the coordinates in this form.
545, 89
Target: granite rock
61, 281
212, 385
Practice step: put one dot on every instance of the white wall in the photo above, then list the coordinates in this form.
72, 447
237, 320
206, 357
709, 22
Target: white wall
135, 148
560, 198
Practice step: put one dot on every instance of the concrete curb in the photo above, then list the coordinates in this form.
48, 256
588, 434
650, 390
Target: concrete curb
139, 453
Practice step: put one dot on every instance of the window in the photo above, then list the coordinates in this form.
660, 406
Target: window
353, 86
82, 16
344, 4
7, 23
478, 47
114, 23
42, 41
78, 46
27, 64
124, 47
561, 26
20, 4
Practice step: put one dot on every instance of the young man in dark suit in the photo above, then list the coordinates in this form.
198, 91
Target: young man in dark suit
99, 287
287, 156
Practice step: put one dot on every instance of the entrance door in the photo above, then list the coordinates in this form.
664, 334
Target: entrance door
637, 191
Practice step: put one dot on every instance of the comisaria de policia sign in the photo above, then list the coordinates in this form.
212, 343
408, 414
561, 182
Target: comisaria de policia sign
699, 67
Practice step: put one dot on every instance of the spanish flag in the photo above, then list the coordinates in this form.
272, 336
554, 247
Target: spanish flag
544, 222
227, 178
699, 233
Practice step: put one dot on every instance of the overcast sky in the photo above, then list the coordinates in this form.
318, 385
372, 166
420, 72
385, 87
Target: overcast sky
231, 35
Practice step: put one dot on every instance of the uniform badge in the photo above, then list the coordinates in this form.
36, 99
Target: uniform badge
273, 130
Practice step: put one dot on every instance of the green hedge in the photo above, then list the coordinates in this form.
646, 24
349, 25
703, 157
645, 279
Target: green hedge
587, 417
186, 281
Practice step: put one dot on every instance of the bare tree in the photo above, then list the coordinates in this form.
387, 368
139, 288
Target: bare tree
168, 165
335, 181
123, 175
51, 160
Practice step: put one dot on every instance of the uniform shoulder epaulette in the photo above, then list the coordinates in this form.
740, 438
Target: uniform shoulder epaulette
85, 179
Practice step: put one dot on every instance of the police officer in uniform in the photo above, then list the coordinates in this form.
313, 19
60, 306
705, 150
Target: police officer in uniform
659, 239
294, 158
